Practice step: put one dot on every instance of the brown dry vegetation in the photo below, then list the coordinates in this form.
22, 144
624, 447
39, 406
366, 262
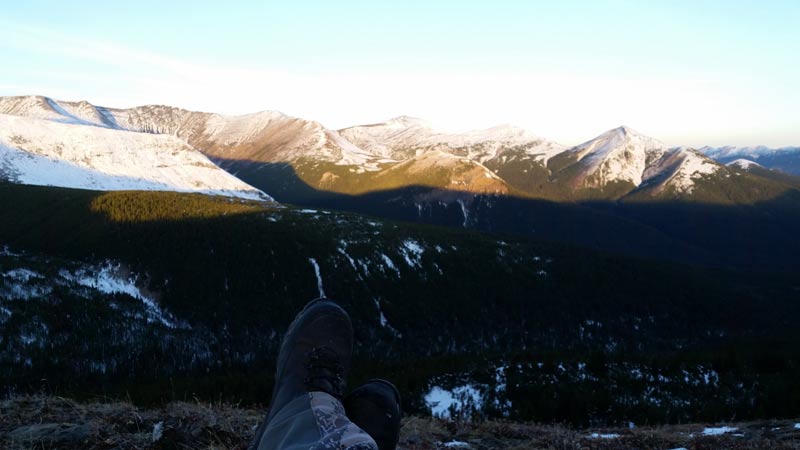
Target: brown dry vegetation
44, 422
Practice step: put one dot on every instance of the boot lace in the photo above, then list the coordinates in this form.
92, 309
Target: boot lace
325, 372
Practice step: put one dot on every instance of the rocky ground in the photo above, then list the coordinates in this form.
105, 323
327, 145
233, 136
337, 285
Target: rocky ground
45, 422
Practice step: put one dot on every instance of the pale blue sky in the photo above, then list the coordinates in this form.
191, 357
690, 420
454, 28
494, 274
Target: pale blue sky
687, 72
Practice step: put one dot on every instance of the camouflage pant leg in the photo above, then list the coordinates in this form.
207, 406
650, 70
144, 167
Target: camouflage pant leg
315, 421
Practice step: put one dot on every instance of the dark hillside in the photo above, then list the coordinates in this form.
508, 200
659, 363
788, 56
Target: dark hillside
205, 286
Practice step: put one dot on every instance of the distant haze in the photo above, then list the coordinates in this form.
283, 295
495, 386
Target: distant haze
688, 73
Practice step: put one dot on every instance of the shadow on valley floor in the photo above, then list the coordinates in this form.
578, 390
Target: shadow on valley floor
426, 302
761, 236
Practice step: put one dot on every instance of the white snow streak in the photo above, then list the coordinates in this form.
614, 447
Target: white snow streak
342, 249
464, 211
384, 321
319, 277
389, 263
158, 431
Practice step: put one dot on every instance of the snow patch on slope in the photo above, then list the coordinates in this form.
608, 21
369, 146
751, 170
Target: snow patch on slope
695, 164
48, 153
22, 274
680, 169
456, 444
111, 278
717, 431
412, 252
389, 263
22, 283
441, 401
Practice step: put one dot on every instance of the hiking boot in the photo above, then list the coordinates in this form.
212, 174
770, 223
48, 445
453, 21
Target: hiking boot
375, 408
314, 357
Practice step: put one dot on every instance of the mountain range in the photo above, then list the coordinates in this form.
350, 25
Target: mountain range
784, 159
400, 152
504, 179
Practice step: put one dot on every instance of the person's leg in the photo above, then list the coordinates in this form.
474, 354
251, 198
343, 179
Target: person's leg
315, 421
306, 410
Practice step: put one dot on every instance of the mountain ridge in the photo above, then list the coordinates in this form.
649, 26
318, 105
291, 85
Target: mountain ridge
784, 159
618, 165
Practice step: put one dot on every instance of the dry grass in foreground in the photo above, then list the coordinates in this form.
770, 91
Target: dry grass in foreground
38, 422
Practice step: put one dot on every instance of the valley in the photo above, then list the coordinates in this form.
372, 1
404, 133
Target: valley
202, 300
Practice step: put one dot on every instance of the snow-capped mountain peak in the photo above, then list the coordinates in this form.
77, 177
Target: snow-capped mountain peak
744, 164
626, 130
618, 137
620, 154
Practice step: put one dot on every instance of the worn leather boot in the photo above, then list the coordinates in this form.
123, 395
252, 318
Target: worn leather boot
375, 408
315, 356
